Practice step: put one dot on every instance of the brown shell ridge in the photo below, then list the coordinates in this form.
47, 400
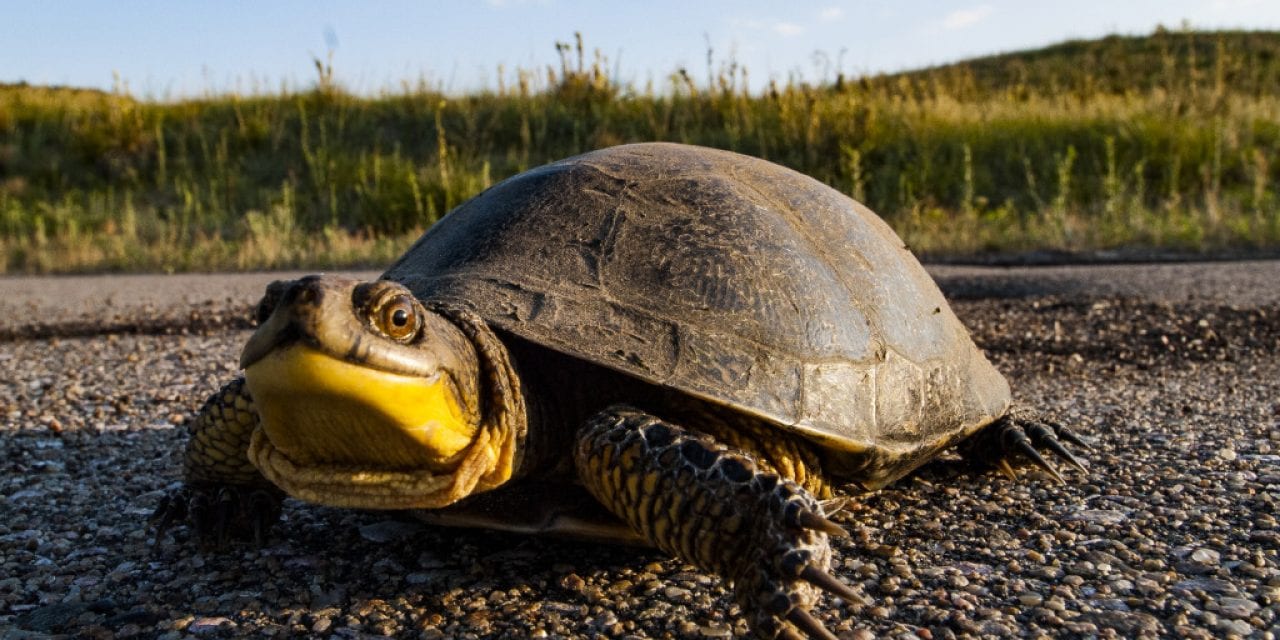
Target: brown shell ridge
725, 277
872, 433
547, 286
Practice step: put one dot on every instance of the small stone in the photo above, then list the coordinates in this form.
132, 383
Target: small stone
1227, 454
715, 631
1208, 585
209, 625
1205, 556
1098, 516
390, 531
1238, 628
885, 550
1237, 608
572, 582
1029, 599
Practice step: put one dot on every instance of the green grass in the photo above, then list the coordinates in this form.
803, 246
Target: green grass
1162, 142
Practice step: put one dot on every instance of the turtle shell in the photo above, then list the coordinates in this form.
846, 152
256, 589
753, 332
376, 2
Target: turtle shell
723, 276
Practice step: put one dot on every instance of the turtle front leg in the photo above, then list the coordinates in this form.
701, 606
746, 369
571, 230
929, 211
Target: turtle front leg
1019, 435
223, 495
717, 507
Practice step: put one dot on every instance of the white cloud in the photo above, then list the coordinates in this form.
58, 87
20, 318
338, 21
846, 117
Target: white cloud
788, 29
831, 14
965, 18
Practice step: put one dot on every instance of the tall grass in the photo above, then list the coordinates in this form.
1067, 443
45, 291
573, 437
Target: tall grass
1165, 142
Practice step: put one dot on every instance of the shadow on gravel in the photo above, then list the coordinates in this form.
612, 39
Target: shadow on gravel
319, 565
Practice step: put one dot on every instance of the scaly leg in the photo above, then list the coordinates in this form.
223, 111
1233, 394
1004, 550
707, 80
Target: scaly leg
223, 494
715, 506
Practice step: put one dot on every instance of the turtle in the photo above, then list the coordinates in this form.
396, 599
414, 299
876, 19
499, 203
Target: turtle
651, 343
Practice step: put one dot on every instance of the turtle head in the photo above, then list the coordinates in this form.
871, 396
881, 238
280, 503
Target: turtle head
365, 398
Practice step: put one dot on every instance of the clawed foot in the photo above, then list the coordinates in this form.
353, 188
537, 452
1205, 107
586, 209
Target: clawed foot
781, 580
1024, 432
714, 506
218, 514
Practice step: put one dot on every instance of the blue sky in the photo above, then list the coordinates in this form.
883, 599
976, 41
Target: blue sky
172, 48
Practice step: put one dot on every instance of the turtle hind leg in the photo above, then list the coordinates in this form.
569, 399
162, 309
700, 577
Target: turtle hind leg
223, 495
714, 506
1021, 434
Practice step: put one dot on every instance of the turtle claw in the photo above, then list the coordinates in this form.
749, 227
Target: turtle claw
1043, 436
217, 515
807, 519
172, 508
831, 584
807, 623
1006, 469
1070, 436
1023, 445
1024, 433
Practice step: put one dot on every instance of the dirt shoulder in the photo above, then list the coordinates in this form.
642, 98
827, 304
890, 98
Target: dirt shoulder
49, 306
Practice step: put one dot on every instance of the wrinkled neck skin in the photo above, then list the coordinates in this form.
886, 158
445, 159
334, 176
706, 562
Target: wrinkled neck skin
496, 454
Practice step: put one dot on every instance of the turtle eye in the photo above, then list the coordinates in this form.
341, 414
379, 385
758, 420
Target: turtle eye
398, 319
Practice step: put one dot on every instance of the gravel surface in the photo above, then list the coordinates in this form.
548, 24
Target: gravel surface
1173, 532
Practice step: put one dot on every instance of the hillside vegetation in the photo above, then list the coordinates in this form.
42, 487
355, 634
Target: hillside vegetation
1167, 141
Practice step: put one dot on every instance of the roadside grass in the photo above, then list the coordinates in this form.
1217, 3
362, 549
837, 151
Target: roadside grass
1164, 142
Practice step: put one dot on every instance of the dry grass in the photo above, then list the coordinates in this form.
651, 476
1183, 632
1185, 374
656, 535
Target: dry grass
1161, 142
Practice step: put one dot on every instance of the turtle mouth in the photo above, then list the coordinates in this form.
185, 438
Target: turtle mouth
350, 435
346, 486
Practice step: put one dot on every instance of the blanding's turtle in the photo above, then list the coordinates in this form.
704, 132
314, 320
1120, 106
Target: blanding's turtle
651, 343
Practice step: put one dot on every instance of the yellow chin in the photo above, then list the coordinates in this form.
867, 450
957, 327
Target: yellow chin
339, 433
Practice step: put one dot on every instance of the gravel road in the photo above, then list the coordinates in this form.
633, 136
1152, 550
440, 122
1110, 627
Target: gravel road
1172, 371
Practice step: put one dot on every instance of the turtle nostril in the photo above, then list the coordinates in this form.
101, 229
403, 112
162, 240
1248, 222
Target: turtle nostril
304, 291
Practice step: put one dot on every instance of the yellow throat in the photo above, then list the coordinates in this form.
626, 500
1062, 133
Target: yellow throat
348, 435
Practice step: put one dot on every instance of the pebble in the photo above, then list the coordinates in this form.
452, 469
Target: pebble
1149, 544
390, 531
1237, 607
201, 626
1206, 556
1030, 599
715, 631
1236, 628
1099, 516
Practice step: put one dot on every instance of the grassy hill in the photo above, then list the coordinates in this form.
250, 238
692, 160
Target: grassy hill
1164, 141
1177, 63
